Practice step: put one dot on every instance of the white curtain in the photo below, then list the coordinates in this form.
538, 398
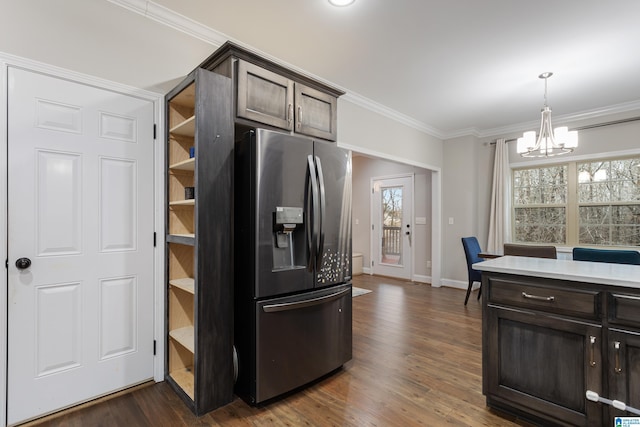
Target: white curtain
499, 223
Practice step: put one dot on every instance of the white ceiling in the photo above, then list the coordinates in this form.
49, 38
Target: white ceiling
454, 67
457, 66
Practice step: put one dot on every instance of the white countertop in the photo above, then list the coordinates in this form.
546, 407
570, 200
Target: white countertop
578, 271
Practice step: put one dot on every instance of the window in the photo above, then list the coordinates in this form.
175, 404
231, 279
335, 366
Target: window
540, 204
609, 202
578, 203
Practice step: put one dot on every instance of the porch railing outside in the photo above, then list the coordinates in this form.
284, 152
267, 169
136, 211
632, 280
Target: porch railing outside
391, 241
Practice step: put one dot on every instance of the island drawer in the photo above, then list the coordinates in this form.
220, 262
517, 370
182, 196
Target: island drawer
561, 300
625, 309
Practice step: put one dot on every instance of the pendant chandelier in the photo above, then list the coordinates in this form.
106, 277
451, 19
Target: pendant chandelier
549, 142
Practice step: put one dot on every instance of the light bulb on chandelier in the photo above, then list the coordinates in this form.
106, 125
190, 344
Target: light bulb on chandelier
549, 142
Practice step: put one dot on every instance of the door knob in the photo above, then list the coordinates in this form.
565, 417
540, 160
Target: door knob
407, 233
23, 263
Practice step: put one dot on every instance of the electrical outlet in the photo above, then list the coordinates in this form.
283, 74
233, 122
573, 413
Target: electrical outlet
450, 220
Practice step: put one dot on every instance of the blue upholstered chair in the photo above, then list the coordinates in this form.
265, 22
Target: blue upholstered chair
607, 255
471, 252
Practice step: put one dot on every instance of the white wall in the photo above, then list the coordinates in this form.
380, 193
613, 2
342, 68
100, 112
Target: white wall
368, 132
365, 168
467, 176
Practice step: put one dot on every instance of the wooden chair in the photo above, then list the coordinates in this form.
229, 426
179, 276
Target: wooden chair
471, 252
615, 256
533, 251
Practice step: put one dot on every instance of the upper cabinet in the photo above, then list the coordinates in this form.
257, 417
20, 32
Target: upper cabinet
272, 95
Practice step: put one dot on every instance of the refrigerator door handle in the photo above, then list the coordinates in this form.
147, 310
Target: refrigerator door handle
272, 308
312, 225
320, 249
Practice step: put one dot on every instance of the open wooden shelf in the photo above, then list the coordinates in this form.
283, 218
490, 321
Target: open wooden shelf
185, 165
185, 128
184, 336
198, 280
184, 378
187, 202
187, 284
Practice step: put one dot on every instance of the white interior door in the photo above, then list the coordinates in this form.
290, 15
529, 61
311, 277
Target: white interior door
392, 231
80, 208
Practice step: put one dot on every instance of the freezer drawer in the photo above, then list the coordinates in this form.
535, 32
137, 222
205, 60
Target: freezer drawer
300, 338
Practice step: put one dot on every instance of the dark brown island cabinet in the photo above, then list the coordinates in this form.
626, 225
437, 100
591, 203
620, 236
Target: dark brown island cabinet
555, 329
230, 93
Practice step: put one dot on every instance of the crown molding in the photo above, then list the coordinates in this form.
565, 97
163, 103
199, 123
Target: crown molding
376, 107
168, 17
564, 119
172, 19
9, 60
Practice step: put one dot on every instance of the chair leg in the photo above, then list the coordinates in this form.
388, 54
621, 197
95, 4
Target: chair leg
479, 291
468, 292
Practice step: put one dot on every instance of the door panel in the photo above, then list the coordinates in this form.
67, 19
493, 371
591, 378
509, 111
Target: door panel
392, 210
281, 170
335, 166
264, 96
319, 320
80, 188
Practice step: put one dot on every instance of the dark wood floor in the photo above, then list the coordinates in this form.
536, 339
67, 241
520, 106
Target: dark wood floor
416, 361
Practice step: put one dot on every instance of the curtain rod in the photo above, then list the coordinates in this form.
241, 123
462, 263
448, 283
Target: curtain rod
599, 125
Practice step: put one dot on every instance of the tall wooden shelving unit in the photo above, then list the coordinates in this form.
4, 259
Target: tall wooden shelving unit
199, 299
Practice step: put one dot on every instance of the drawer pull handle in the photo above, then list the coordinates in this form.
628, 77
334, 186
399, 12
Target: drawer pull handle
617, 368
592, 354
537, 298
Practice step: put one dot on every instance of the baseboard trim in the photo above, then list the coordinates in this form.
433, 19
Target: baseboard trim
459, 284
419, 278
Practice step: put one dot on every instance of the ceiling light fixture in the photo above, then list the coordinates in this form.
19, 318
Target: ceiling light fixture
550, 142
341, 3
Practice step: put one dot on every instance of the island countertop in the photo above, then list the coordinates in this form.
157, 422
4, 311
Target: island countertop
579, 271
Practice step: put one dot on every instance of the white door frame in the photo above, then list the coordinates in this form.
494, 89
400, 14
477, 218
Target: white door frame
372, 209
157, 99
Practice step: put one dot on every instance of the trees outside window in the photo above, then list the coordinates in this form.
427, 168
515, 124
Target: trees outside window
586, 203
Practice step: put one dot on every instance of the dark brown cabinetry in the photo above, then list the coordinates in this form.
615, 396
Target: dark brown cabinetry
624, 350
232, 91
199, 151
547, 341
272, 95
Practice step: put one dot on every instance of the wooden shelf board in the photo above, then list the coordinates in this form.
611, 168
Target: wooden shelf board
186, 128
186, 98
187, 284
183, 239
188, 202
184, 336
185, 165
184, 378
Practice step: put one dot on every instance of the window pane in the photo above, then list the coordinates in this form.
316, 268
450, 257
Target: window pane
540, 225
540, 197
608, 197
391, 225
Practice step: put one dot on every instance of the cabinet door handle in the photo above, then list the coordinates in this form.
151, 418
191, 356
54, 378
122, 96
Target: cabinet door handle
290, 115
616, 346
592, 352
537, 298
299, 116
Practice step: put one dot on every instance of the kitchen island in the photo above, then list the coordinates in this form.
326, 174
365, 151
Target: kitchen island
553, 329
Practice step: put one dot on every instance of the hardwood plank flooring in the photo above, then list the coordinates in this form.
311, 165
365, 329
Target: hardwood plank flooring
417, 361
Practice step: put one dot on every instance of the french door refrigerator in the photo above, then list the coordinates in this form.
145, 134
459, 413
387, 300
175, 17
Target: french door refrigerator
292, 262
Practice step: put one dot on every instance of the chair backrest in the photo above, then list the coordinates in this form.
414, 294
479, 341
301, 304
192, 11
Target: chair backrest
616, 256
533, 251
471, 252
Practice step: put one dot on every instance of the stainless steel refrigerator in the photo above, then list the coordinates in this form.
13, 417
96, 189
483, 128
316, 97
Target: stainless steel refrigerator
292, 262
